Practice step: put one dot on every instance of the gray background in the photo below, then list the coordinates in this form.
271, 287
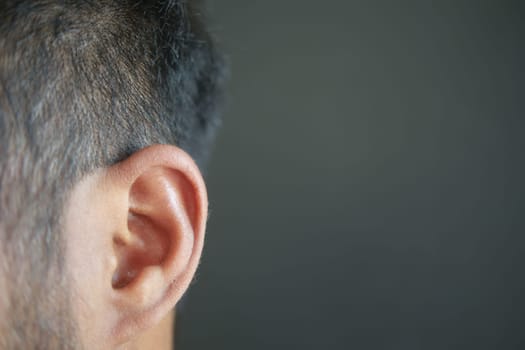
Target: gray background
367, 186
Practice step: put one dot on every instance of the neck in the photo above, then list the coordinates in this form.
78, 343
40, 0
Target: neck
159, 337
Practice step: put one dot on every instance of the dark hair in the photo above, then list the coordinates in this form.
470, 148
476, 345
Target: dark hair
83, 84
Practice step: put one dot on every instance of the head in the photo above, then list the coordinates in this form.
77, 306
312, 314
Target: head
107, 112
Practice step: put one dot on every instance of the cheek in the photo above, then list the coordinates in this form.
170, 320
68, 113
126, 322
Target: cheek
88, 263
3, 298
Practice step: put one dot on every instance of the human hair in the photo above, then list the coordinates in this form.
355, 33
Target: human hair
84, 84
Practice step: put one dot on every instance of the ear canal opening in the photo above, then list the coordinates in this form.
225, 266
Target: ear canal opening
120, 281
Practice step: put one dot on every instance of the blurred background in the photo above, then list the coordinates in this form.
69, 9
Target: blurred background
367, 188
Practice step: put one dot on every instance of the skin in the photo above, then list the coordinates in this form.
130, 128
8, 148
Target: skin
3, 295
159, 337
134, 239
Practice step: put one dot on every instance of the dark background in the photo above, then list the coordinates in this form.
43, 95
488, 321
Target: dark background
367, 188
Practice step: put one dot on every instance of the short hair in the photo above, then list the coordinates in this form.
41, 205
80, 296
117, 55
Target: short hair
84, 84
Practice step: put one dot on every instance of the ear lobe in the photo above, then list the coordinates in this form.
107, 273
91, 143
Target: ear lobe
157, 250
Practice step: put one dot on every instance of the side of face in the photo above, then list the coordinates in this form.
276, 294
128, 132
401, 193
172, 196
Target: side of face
83, 86
134, 235
3, 292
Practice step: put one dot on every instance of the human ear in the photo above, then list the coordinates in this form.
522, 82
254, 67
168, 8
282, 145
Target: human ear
135, 234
